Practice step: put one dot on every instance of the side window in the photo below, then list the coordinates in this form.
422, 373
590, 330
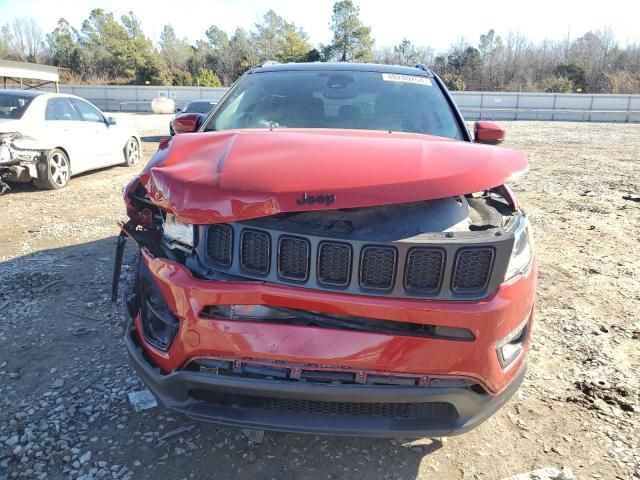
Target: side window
88, 112
60, 109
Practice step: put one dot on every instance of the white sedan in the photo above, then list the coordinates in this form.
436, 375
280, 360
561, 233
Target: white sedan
49, 137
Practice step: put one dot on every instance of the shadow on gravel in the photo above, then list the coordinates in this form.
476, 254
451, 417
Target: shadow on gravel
65, 377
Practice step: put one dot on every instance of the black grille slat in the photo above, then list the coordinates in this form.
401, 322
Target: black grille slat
255, 251
334, 263
220, 244
388, 410
424, 270
377, 267
472, 269
293, 258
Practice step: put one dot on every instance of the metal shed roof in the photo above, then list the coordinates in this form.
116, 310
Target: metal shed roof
33, 71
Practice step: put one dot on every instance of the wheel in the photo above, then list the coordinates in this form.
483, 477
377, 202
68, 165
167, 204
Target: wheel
131, 152
54, 171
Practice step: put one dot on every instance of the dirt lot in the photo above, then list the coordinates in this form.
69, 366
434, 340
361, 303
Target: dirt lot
64, 375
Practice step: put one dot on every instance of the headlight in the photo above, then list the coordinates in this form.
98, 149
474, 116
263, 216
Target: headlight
522, 253
178, 231
5, 154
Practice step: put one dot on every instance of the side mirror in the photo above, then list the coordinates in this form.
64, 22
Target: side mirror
111, 121
178, 110
488, 132
187, 122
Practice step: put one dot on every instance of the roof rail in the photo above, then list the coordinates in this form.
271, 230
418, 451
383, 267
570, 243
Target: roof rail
422, 66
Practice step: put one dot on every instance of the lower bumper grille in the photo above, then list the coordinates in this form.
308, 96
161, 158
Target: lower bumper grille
392, 410
425, 410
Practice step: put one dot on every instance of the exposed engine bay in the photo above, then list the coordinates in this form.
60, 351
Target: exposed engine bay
397, 222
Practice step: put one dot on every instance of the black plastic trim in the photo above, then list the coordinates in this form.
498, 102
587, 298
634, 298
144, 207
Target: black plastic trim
307, 260
226, 227
172, 391
443, 263
319, 255
242, 264
392, 284
472, 291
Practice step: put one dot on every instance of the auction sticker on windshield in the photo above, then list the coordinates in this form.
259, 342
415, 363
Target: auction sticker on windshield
398, 77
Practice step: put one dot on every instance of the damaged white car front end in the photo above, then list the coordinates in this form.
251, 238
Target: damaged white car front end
19, 159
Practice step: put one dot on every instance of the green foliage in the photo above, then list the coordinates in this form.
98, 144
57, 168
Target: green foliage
573, 71
464, 60
352, 40
175, 51
111, 49
206, 78
406, 53
312, 55
181, 78
107, 49
154, 71
63, 47
557, 85
453, 81
295, 44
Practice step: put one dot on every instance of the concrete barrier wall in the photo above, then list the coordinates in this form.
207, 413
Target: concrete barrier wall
474, 105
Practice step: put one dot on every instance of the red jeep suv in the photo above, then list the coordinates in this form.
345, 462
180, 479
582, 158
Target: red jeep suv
329, 251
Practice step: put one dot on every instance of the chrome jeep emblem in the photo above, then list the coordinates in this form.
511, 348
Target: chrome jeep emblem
326, 199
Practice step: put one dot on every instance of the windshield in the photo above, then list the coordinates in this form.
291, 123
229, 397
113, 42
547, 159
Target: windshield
198, 107
13, 106
337, 99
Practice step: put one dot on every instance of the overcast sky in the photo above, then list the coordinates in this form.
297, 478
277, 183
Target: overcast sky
434, 23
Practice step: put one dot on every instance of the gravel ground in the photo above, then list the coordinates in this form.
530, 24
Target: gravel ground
65, 378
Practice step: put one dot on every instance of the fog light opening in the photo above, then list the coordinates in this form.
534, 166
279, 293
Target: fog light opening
159, 325
508, 348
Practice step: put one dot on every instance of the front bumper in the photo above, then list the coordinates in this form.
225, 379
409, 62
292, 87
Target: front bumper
340, 409
254, 403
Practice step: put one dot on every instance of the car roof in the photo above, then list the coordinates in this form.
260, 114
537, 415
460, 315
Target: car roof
21, 93
343, 66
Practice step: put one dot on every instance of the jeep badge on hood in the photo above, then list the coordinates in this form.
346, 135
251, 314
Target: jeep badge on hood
327, 199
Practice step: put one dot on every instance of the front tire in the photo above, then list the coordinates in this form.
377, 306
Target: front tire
54, 171
131, 152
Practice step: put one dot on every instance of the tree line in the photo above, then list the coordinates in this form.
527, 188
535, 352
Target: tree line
106, 49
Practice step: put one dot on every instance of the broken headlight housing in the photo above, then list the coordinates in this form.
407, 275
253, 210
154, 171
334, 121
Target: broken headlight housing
522, 253
174, 230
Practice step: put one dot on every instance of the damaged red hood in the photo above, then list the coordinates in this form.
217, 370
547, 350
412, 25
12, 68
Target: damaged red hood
238, 175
